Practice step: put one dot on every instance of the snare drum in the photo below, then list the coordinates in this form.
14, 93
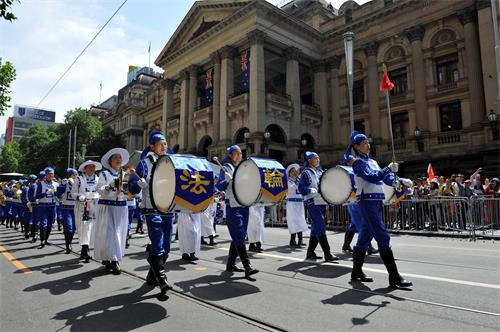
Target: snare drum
259, 181
337, 185
181, 184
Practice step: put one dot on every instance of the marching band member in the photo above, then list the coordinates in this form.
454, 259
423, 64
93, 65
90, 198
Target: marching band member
316, 206
237, 217
9, 194
2, 203
16, 203
27, 213
45, 195
139, 228
356, 216
112, 213
295, 214
131, 206
207, 223
85, 191
67, 206
189, 228
370, 194
34, 206
159, 225
255, 228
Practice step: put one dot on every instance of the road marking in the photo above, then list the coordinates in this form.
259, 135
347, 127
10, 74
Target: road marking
200, 268
14, 261
418, 276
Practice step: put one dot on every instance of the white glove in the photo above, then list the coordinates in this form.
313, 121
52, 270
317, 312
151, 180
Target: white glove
228, 176
394, 167
37, 201
142, 183
313, 191
81, 198
28, 204
70, 180
64, 182
407, 183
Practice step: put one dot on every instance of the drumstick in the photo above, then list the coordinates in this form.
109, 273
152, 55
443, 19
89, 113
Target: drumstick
217, 161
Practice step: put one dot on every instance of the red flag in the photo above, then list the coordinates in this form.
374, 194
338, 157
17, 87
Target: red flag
430, 172
385, 83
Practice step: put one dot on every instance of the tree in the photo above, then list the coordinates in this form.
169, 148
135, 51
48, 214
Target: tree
7, 75
4, 6
107, 140
40, 147
11, 156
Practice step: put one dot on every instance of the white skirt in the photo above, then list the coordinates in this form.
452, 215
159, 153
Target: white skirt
295, 217
111, 228
189, 231
256, 224
207, 221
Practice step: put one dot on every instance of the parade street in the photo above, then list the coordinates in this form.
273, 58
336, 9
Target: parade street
456, 288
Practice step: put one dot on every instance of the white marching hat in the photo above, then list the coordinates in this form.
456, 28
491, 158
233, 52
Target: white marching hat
97, 165
292, 166
122, 152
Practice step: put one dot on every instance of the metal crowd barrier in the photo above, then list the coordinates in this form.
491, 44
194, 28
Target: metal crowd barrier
470, 217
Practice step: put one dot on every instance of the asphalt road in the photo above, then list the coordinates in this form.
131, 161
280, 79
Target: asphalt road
456, 288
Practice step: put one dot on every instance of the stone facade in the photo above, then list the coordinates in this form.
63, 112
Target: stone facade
438, 53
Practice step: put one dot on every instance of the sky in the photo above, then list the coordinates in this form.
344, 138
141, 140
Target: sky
49, 34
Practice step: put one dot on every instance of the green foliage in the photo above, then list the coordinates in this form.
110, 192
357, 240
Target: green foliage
44, 146
7, 75
4, 6
10, 156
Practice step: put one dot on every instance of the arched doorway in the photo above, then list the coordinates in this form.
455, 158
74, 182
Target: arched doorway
203, 145
175, 149
274, 134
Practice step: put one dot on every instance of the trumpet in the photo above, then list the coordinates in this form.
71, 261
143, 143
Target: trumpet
121, 182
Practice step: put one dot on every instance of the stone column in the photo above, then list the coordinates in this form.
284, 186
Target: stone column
415, 36
226, 89
335, 93
257, 93
215, 57
467, 17
371, 50
193, 99
293, 90
168, 103
487, 42
321, 99
183, 120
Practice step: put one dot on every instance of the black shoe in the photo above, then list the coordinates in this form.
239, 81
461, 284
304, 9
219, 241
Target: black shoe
203, 241
115, 268
127, 242
192, 257
313, 256
148, 247
329, 257
212, 241
234, 268
186, 257
252, 247
151, 279
106, 264
372, 250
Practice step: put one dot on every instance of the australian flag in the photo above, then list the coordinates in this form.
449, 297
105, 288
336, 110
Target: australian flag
245, 70
209, 87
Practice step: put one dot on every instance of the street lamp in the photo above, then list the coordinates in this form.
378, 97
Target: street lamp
418, 134
348, 48
492, 116
84, 151
267, 138
246, 136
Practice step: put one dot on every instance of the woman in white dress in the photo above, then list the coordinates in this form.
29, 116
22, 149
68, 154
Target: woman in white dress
295, 213
207, 224
256, 228
189, 228
112, 212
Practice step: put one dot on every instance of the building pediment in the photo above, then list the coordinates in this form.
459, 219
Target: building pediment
202, 17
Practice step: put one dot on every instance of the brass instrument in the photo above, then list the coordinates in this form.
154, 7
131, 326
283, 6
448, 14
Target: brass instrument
122, 182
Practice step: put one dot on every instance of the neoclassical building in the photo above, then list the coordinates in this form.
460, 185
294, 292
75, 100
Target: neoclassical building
274, 81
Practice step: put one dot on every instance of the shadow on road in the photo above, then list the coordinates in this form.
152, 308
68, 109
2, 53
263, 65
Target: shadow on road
316, 270
122, 312
218, 288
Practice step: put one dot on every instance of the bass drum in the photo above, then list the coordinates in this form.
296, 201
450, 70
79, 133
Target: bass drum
337, 185
181, 184
259, 181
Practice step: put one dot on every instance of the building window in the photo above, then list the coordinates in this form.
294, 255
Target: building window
451, 116
348, 15
358, 93
387, 2
399, 78
400, 125
359, 125
447, 69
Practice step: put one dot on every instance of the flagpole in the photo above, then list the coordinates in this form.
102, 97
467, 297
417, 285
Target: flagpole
74, 147
69, 147
100, 91
390, 123
149, 55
